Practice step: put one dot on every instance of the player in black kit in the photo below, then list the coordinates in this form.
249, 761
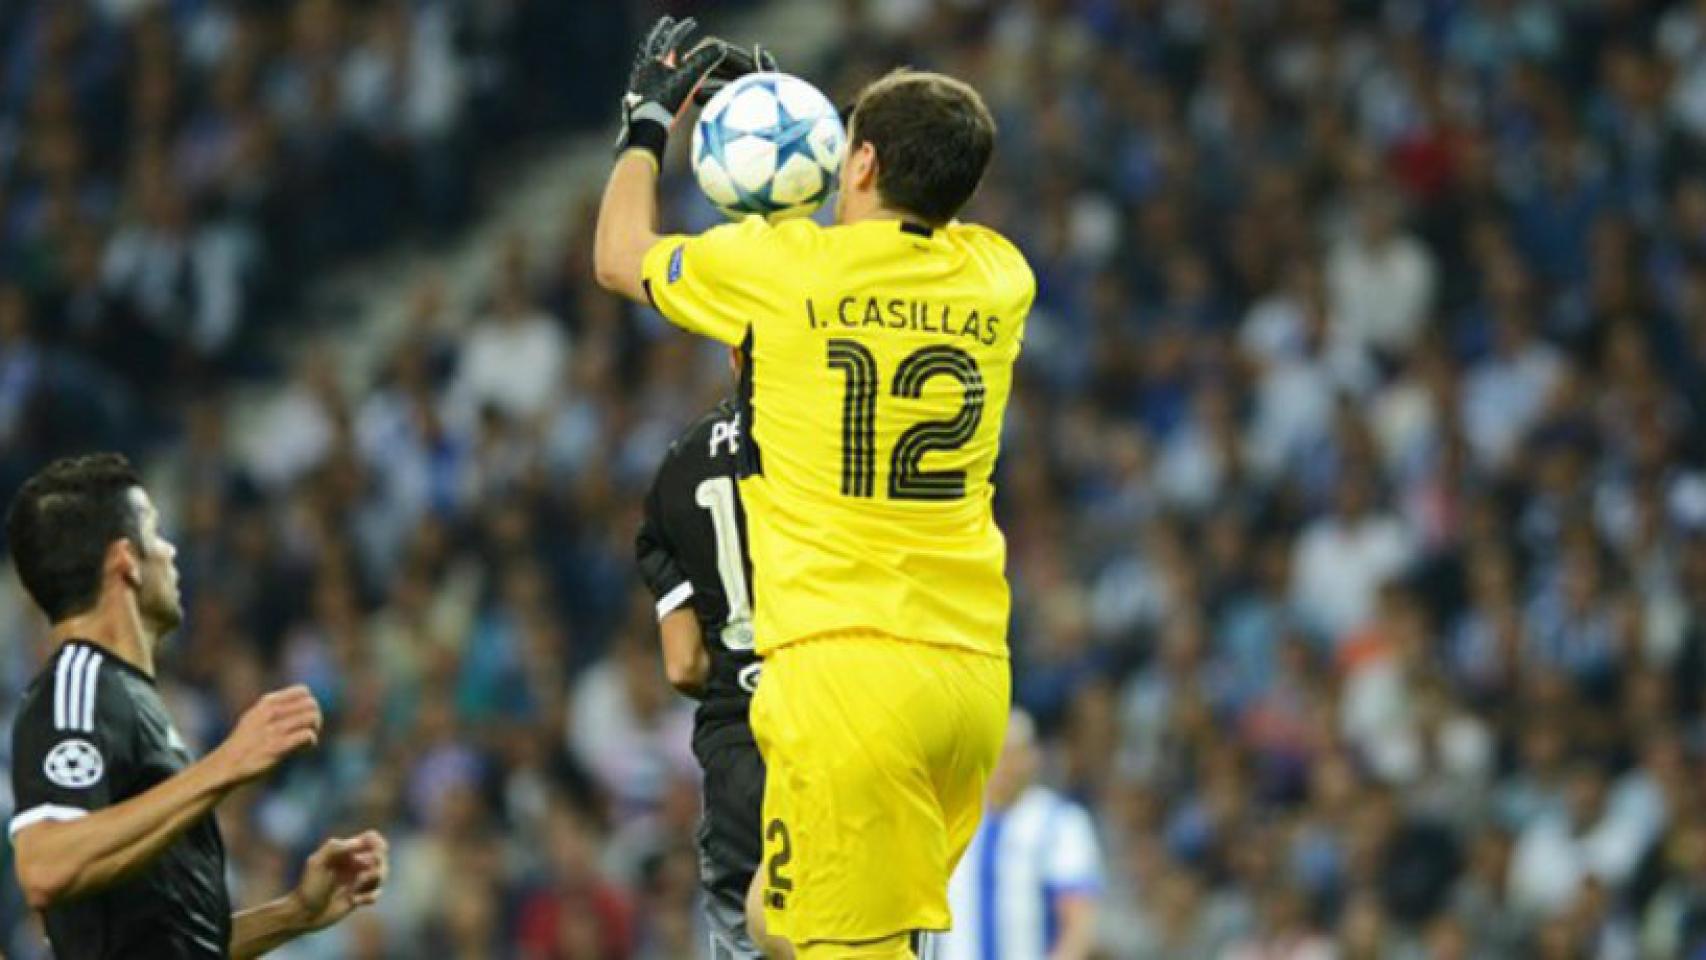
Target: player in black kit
692, 554
114, 833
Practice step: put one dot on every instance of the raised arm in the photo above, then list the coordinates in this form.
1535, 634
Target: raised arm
73, 853
665, 78
627, 224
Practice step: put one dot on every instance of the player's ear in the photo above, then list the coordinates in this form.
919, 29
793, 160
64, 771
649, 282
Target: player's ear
862, 166
123, 561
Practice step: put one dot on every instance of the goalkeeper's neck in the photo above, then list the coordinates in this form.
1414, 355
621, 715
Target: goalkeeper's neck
860, 206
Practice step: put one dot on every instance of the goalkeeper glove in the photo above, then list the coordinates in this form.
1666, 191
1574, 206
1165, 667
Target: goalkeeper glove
737, 62
663, 79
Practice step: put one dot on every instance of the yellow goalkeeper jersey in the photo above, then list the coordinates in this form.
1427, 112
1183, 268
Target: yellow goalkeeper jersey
878, 361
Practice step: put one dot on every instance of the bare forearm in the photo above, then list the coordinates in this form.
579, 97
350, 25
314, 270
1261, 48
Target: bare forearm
688, 674
63, 861
1077, 938
260, 930
684, 656
627, 224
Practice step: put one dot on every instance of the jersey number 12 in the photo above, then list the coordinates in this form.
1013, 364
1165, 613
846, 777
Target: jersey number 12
907, 479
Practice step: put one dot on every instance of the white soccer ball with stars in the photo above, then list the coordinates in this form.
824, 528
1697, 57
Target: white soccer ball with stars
768, 144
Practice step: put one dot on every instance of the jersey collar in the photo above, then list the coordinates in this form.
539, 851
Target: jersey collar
109, 658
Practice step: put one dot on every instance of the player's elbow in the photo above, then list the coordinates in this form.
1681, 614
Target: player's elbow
39, 893
685, 661
687, 675
614, 266
604, 267
43, 880
686, 687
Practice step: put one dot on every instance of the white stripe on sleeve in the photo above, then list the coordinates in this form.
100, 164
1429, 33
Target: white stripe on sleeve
79, 670
91, 674
74, 688
61, 687
47, 811
675, 598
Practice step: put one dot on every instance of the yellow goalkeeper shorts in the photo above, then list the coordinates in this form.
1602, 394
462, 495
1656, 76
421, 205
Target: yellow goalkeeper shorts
877, 752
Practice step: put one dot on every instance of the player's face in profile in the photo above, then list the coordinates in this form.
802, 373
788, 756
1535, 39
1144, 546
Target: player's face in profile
157, 595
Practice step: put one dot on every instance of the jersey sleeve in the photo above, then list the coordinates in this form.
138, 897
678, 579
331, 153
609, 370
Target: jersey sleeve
70, 744
1024, 286
713, 284
659, 568
1074, 859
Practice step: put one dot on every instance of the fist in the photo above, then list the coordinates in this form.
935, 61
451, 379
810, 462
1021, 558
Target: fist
341, 876
278, 725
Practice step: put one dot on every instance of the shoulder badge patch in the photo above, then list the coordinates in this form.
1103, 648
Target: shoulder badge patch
74, 765
674, 273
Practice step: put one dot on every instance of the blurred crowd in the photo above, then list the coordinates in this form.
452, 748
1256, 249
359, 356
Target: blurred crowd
1355, 476
173, 172
1355, 479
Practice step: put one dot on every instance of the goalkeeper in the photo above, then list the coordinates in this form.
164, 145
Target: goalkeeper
878, 359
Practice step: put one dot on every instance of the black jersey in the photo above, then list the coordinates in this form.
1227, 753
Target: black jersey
92, 732
692, 549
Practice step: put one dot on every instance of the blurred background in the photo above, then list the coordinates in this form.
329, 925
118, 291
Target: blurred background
1353, 477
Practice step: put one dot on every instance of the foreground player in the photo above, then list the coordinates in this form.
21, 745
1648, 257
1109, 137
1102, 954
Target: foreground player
115, 836
692, 554
879, 355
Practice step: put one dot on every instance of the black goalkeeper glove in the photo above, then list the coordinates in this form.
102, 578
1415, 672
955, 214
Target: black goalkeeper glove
664, 78
737, 62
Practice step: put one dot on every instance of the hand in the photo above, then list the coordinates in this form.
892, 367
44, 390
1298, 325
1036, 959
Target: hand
339, 877
278, 725
663, 80
737, 62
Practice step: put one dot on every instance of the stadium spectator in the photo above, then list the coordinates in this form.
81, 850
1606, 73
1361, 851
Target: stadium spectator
1030, 882
1382, 281
1343, 558
512, 360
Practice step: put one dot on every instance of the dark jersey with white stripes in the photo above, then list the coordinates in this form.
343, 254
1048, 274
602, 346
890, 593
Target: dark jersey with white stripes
692, 549
92, 732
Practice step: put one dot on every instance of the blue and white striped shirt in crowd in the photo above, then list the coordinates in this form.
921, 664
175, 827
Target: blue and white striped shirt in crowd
1022, 861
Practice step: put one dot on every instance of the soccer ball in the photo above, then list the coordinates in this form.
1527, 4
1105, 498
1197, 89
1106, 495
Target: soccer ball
770, 144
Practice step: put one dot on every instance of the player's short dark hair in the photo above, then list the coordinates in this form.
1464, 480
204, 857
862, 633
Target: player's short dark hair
933, 136
61, 523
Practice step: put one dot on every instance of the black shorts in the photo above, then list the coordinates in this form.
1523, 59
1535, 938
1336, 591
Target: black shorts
729, 842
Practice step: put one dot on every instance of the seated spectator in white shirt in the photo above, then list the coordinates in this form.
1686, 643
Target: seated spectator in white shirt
1381, 279
1556, 854
1505, 393
1297, 390
1342, 559
513, 358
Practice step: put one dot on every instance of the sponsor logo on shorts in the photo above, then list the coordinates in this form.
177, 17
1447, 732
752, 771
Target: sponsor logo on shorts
748, 677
